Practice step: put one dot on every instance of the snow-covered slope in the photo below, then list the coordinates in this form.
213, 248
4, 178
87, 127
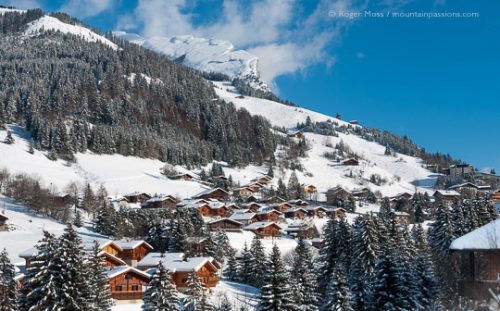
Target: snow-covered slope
119, 174
208, 55
51, 23
403, 173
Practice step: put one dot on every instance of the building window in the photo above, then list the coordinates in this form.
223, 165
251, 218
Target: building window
135, 288
118, 288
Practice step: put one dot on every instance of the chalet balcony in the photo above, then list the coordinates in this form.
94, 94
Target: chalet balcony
210, 281
132, 295
478, 289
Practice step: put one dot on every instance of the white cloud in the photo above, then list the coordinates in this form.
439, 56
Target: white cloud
86, 8
284, 38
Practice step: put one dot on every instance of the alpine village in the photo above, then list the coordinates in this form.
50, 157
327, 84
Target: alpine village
130, 181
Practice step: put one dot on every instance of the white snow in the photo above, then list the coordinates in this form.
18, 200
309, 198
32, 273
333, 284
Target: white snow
485, 237
131, 78
7, 10
52, 23
208, 55
119, 174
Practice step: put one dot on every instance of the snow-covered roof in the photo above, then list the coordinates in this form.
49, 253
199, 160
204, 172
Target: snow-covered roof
131, 244
160, 199
447, 192
260, 224
209, 191
225, 219
485, 237
175, 262
112, 272
242, 216
465, 184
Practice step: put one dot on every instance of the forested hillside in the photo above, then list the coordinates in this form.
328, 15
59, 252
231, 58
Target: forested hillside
74, 95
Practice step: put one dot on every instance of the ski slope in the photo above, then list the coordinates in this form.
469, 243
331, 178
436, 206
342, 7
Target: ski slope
403, 173
119, 174
51, 23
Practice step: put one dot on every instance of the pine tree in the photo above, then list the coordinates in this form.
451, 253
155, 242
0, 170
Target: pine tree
78, 222
104, 219
457, 218
385, 207
9, 140
293, 186
8, 299
337, 295
194, 293
245, 268
232, 267
161, 294
276, 294
365, 251
42, 283
99, 296
302, 274
258, 266
70, 256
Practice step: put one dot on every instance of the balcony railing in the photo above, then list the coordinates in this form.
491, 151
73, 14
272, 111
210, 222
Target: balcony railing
127, 295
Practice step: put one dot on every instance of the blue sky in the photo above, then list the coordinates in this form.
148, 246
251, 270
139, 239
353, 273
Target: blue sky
436, 80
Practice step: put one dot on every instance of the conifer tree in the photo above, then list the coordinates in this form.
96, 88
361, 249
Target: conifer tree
194, 293
276, 294
302, 274
282, 191
9, 140
232, 267
385, 207
337, 294
365, 251
78, 222
99, 295
8, 299
161, 294
245, 268
258, 263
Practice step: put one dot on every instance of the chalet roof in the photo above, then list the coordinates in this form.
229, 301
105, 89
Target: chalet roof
3, 218
465, 184
261, 224
210, 191
312, 208
112, 272
242, 216
136, 193
160, 199
175, 262
88, 244
113, 257
447, 193
298, 202
482, 238
132, 244
296, 209
183, 174
226, 219
400, 214
267, 211
337, 189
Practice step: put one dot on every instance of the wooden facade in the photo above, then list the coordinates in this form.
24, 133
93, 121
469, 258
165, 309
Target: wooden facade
296, 213
225, 224
3, 220
338, 212
137, 197
282, 207
270, 215
129, 284
447, 197
310, 189
244, 192
495, 196
317, 211
209, 211
335, 195
207, 274
268, 230
111, 260
350, 162
165, 202
132, 254
217, 193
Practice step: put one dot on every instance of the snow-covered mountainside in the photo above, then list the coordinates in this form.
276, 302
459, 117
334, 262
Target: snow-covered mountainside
403, 173
51, 23
208, 55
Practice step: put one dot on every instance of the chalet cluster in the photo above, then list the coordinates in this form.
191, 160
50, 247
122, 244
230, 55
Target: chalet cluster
130, 264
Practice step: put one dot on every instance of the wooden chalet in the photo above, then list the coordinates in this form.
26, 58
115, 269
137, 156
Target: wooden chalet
275, 200
180, 266
296, 212
255, 186
310, 189
3, 220
402, 218
298, 202
160, 202
268, 215
445, 196
244, 218
297, 134
480, 250
495, 196
133, 251
225, 224
127, 283
213, 209
302, 230
137, 197
403, 196
282, 207
111, 260
215, 193
183, 176
318, 242
337, 212
264, 180
265, 229
252, 206
360, 194
316, 211
354, 122
243, 192
335, 195
350, 162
